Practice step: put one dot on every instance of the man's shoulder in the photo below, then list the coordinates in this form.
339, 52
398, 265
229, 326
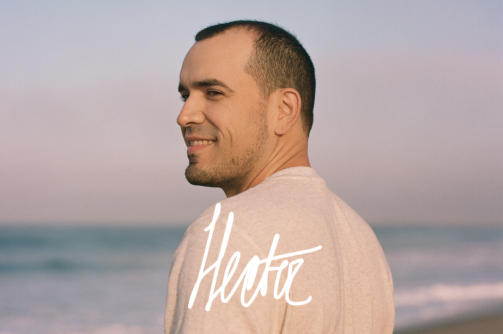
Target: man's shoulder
289, 187
283, 203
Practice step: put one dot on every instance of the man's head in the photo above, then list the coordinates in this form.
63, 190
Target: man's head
278, 61
242, 114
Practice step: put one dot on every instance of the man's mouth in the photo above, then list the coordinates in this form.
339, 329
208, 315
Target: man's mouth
200, 142
196, 145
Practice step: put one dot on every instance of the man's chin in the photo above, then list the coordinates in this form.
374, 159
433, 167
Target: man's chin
199, 177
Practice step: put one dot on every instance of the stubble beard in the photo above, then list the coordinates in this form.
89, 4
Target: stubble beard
229, 173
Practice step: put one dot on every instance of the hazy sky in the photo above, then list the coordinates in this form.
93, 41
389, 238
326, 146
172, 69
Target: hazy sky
408, 114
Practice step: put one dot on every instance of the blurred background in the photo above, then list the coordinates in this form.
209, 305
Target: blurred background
93, 198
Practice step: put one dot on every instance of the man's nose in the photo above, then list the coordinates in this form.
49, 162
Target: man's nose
191, 113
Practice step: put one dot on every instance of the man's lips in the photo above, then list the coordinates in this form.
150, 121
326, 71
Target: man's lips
200, 142
195, 145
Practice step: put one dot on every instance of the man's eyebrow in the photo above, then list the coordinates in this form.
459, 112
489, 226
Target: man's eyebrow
206, 83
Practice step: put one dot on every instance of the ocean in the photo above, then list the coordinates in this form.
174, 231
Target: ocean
113, 280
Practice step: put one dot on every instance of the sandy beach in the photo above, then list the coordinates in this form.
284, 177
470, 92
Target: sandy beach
486, 324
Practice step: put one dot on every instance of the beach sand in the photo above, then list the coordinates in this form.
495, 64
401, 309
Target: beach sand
484, 324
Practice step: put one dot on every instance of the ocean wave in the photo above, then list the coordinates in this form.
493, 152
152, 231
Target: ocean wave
18, 326
117, 329
442, 293
60, 265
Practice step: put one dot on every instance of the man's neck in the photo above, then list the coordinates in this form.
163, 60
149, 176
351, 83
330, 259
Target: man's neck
299, 159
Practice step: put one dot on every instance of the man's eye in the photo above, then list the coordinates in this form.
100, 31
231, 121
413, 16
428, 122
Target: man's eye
213, 93
184, 97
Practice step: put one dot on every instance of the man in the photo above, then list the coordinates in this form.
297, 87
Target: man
282, 254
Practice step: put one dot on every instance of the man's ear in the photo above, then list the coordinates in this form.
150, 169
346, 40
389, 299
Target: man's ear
288, 110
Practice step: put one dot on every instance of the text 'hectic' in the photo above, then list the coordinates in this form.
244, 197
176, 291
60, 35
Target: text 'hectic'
250, 271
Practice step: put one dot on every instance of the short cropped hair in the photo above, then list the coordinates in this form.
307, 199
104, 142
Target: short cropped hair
278, 61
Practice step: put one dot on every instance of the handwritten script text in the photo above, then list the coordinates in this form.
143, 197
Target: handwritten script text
249, 274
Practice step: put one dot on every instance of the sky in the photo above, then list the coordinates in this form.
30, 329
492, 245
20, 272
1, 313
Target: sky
408, 113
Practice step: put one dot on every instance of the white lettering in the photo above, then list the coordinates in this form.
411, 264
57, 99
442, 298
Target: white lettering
249, 274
